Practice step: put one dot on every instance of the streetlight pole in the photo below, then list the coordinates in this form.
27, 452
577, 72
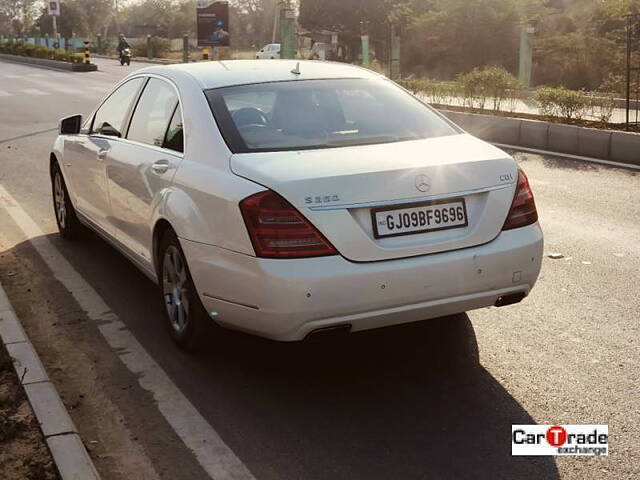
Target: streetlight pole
55, 28
276, 18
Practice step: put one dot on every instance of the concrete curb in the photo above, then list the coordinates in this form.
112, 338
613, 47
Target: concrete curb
66, 447
568, 140
45, 62
157, 61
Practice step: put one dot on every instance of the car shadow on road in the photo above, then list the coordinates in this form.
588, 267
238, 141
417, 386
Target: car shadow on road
405, 402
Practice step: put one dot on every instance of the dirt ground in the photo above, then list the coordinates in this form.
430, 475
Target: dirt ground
23, 452
82, 376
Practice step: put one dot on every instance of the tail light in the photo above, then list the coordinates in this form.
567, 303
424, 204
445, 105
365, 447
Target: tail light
278, 230
523, 208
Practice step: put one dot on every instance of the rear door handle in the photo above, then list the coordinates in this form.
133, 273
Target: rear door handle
161, 166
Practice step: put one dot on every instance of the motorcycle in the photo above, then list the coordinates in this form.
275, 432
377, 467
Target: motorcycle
125, 56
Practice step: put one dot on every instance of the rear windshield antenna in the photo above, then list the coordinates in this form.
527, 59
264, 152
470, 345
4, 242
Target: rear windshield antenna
296, 71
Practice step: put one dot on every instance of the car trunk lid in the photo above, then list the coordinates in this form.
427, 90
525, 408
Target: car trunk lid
340, 189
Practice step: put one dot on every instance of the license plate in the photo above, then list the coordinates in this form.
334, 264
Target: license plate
419, 218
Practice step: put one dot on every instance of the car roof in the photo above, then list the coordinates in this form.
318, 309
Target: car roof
228, 73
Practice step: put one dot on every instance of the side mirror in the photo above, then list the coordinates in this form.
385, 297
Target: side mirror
70, 125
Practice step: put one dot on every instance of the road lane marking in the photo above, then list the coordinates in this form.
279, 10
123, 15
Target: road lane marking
5, 94
34, 91
215, 457
9, 75
27, 135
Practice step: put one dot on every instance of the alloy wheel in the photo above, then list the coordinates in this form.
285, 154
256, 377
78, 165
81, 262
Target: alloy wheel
59, 201
175, 288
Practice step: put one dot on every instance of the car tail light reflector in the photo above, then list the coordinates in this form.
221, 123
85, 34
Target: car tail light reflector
278, 230
523, 208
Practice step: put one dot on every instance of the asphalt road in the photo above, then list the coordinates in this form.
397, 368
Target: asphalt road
426, 401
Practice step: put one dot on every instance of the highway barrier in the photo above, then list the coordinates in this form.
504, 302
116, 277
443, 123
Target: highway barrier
611, 145
45, 62
87, 53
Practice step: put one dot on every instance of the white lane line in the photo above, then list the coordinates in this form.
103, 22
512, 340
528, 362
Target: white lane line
9, 75
5, 94
216, 458
98, 89
34, 91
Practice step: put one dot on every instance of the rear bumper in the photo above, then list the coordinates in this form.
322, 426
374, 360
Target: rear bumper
288, 299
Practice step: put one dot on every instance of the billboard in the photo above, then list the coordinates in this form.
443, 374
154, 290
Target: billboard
213, 23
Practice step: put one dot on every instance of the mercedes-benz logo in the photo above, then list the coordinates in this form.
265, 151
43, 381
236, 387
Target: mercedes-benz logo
423, 183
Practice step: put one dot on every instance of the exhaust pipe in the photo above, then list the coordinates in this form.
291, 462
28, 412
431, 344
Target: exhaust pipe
329, 332
510, 299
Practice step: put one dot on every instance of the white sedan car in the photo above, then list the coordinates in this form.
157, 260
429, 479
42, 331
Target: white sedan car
269, 52
285, 199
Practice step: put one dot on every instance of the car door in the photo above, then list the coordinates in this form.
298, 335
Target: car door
142, 167
87, 154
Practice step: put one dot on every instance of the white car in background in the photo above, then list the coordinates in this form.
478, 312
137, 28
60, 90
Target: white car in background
285, 199
269, 52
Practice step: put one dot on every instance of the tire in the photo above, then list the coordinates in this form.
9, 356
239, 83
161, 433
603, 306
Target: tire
128, 63
122, 62
187, 324
68, 224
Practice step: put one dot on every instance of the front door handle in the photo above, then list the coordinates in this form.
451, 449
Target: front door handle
161, 166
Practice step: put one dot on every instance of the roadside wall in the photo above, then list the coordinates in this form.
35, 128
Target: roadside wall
554, 137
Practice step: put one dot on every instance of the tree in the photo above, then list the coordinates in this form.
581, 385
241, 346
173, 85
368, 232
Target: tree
69, 22
19, 14
457, 35
252, 22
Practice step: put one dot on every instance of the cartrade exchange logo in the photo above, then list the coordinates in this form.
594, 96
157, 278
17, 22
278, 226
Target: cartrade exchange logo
592, 440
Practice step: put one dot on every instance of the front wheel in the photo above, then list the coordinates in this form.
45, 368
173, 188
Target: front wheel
68, 224
185, 315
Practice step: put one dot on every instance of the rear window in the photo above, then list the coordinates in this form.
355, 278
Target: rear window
313, 114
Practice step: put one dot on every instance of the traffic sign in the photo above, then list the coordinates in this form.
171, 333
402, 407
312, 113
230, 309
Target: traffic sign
53, 8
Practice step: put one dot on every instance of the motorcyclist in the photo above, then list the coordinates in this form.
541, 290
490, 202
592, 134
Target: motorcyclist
122, 44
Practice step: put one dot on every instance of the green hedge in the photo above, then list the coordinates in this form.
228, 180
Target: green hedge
36, 51
493, 88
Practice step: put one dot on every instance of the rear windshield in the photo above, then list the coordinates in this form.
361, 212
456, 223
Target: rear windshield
312, 114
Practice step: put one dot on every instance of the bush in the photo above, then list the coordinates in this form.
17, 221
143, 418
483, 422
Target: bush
159, 47
434, 91
61, 55
560, 102
601, 106
37, 51
493, 84
76, 58
40, 52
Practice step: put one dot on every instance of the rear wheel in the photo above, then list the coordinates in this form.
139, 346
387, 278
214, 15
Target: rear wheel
68, 224
185, 315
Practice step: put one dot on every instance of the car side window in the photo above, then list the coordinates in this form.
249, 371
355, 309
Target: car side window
174, 139
153, 113
111, 116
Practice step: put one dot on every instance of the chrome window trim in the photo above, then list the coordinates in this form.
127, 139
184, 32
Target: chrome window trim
145, 76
